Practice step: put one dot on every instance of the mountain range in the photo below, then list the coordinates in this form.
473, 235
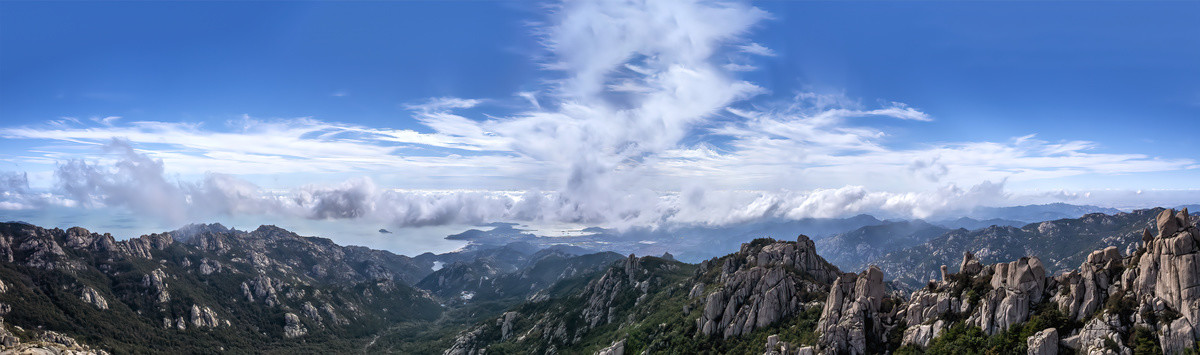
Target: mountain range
1123, 282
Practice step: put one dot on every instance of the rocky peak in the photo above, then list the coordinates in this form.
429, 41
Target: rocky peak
851, 318
764, 282
1168, 271
602, 294
1016, 287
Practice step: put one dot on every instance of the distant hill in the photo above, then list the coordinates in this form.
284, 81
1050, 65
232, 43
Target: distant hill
972, 224
1061, 244
690, 243
1038, 213
852, 250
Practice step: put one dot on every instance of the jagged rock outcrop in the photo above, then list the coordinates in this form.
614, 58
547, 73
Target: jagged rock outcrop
42, 342
292, 327
506, 324
758, 288
156, 282
1101, 335
467, 343
261, 287
603, 292
779, 347
926, 305
1168, 271
1016, 287
1044, 342
93, 297
204, 317
970, 265
1086, 289
1157, 289
851, 318
617, 348
921, 335
208, 266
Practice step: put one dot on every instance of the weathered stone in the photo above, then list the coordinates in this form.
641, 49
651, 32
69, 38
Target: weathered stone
759, 287
970, 265
93, 297
1044, 342
853, 300
1016, 287
1167, 223
922, 335
204, 317
292, 327
1097, 335
617, 348
506, 324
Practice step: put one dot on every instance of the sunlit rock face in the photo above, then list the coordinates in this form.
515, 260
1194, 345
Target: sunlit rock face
1168, 274
851, 314
761, 286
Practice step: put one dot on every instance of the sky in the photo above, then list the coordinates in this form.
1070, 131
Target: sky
594, 112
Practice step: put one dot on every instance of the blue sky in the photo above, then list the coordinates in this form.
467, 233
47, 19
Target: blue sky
426, 113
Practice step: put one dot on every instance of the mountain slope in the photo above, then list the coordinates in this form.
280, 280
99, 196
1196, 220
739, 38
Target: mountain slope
221, 290
782, 298
853, 249
490, 279
1062, 244
728, 304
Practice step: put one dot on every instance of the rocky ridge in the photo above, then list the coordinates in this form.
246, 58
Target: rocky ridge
758, 287
267, 285
761, 284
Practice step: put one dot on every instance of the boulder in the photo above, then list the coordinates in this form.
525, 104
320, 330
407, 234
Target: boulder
922, 335
1044, 342
970, 265
617, 348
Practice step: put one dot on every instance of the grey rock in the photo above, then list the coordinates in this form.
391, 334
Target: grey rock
617, 348
204, 317
1044, 342
853, 300
93, 297
292, 327
922, 335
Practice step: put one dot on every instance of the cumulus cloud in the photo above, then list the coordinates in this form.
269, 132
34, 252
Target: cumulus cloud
14, 191
138, 182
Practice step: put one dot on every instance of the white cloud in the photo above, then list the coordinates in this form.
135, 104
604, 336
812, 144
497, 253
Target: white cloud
757, 49
736, 67
645, 123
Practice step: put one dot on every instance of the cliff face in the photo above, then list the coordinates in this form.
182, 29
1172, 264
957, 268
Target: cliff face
786, 295
1155, 291
654, 304
851, 317
1166, 276
761, 284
